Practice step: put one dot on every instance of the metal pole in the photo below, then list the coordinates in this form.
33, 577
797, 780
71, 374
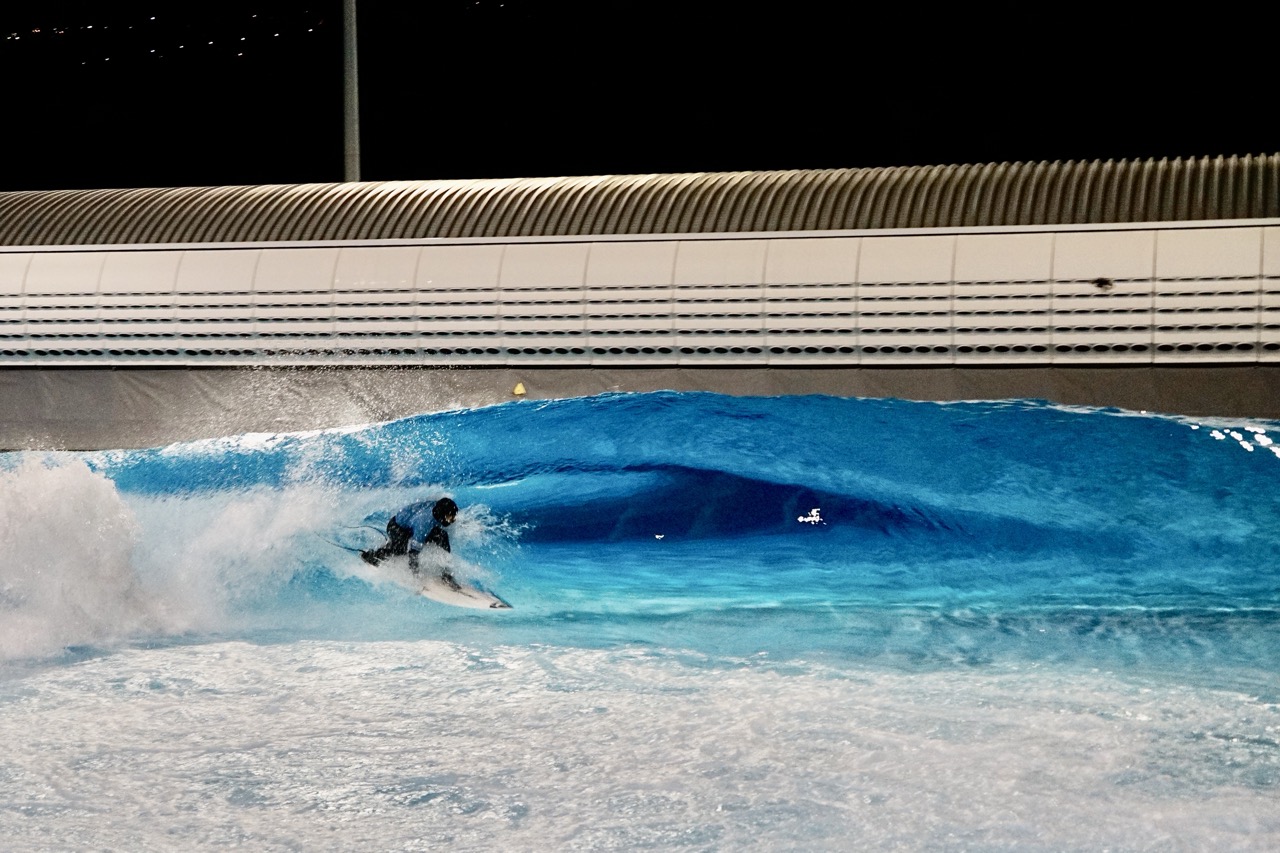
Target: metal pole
350, 93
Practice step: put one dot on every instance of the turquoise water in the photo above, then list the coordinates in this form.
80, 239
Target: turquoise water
778, 595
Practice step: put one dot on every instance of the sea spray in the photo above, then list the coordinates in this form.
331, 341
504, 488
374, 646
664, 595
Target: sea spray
67, 550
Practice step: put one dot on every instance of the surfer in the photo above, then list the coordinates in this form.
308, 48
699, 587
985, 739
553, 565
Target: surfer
412, 529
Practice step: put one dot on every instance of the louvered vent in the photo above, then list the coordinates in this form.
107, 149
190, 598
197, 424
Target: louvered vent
1147, 295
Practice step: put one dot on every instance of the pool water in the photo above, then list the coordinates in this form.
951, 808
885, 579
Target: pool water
739, 622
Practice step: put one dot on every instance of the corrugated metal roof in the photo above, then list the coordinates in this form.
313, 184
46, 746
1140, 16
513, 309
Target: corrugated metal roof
996, 194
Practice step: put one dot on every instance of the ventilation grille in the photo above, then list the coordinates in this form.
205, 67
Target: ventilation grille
942, 323
1018, 297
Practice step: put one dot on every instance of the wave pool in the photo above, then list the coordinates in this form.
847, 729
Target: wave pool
797, 623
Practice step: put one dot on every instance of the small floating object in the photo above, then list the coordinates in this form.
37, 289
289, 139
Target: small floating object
519, 390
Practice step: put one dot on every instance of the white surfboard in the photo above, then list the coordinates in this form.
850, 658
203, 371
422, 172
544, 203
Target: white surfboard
460, 594
430, 583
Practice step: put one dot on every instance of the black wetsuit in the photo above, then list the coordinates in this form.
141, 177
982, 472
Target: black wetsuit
400, 537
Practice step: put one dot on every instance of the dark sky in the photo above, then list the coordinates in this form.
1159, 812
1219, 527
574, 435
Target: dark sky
169, 93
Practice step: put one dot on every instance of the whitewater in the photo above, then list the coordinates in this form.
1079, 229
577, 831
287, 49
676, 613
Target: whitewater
783, 623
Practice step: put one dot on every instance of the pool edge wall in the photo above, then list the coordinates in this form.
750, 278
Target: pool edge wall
96, 408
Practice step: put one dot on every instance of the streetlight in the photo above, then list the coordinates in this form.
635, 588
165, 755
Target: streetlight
350, 93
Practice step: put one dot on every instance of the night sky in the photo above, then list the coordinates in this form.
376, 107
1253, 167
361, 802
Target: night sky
167, 93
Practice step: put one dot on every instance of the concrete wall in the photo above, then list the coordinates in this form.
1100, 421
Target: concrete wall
96, 409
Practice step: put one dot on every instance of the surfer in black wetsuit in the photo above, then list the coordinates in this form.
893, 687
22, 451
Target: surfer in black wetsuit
412, 529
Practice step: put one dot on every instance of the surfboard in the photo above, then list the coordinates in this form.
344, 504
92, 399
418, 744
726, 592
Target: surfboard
430, 584
459, 593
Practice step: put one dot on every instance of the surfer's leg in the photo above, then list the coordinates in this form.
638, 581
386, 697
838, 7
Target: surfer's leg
397, 543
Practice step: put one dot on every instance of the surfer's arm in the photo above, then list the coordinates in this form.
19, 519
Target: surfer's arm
439, 538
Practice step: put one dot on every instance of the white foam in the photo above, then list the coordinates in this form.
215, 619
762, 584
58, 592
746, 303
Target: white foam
83, 564
411, 745
67, 549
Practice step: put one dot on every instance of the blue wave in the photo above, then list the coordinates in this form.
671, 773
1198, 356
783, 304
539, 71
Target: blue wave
621, 509
707, 466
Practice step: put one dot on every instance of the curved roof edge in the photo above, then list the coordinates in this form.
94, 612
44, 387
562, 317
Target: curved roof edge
993, 194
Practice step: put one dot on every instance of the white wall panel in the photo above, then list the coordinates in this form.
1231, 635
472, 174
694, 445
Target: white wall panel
904, 300
812, 261
1271, 252
631, 264
1208, 253
1207, 295
459, 303
1097, 323
1001, 321
137, 295
296, 271
293, 299
1003, 257
451, 268
1269, 311
716, 262
904, 323
541, 310
64, 273
1088, 255
544, 265
906, 259
816, 308
1103, 297
217, 271
13, 270
374, 270
717, 302
61, 298
215, 297
936, 299
627, 303
1217, 321
150, 273
812, 323
375, 303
